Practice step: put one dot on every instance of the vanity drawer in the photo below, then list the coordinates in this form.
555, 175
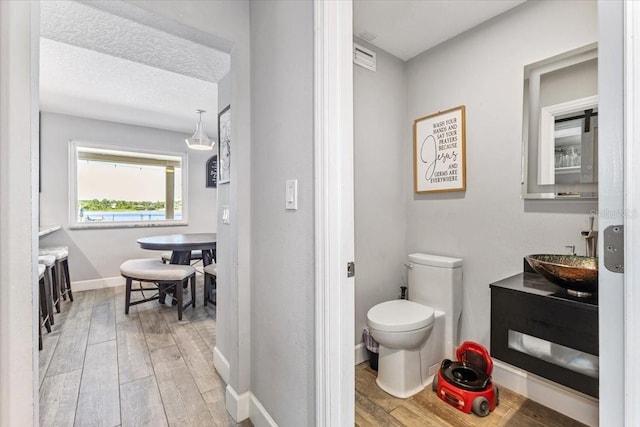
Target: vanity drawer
550, 337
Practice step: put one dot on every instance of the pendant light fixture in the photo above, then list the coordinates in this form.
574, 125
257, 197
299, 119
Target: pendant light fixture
200, 140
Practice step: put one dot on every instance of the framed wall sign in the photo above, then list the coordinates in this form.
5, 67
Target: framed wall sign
212, 171
224, 147
439, 152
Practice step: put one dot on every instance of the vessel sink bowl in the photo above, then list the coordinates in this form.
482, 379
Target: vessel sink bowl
577, 274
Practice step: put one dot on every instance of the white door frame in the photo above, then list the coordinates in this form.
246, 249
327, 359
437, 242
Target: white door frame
333, 121
632, 210
19, 319
613, 322
333, 188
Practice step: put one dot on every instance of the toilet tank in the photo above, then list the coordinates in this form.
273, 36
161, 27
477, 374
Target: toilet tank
436, 281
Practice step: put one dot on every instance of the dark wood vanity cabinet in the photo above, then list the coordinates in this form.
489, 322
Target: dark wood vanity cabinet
527, 304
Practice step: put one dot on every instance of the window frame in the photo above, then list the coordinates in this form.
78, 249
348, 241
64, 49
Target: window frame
75, 145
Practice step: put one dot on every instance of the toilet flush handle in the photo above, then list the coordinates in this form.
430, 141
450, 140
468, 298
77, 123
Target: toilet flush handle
408, 265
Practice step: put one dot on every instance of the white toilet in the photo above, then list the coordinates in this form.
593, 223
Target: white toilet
415, 335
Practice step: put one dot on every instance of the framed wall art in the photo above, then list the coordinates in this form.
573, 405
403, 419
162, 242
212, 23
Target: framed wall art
212, 171
224, 146
439, 152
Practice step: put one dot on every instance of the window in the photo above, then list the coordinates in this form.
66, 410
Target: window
120, 187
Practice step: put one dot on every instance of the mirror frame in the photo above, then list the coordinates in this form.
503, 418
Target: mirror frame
531, 102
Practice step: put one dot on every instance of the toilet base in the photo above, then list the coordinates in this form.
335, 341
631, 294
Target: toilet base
399, 372
403, 373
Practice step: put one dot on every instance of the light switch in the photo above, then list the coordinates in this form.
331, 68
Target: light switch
291, 195
225, 215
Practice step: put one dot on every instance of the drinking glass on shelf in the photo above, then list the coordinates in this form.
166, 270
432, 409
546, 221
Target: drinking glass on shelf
565, 158
559, 154
573, 157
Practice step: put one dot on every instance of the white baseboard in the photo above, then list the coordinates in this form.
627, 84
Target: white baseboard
241, 406
89, 285
221, 364
237, 404
573, 404
258, 414
361, 354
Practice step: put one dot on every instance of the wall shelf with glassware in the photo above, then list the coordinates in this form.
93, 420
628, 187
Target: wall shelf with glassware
567, 158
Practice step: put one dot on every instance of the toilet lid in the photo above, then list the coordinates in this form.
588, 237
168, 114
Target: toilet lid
399, 315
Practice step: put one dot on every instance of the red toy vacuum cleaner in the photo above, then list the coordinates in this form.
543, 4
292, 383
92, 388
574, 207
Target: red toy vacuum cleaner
466, 384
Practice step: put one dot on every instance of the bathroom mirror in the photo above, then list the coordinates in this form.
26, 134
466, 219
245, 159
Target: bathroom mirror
560, 127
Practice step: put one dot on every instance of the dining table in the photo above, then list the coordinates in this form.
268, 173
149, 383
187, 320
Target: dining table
181, 246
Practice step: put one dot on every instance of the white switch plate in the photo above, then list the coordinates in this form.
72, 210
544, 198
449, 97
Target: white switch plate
225, 215
291, 195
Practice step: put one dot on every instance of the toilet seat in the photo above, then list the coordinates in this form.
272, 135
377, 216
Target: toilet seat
400, 316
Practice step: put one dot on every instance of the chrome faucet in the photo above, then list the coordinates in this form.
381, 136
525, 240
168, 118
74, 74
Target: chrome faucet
591, 239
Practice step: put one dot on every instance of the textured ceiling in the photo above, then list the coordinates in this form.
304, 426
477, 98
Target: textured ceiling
98, 64
406, 28
90, 84
111, 61
81, 25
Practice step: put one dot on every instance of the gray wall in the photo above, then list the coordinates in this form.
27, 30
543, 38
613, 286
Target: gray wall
226, 323
98, 253
228, 23
489, 226
380, 138
282, 242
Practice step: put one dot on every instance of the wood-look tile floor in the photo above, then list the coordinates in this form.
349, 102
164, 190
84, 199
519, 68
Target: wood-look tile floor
100, 367
374, 407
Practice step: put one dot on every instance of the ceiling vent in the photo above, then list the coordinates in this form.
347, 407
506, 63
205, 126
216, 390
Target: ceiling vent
364, 57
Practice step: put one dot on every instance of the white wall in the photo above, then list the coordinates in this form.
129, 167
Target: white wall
489, 225
282, 291
98, 253
380, 138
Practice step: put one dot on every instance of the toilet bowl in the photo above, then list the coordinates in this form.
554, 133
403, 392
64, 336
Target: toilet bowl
401, 327
415, 335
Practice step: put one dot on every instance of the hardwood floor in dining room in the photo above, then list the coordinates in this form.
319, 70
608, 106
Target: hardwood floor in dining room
374, 407
100, 367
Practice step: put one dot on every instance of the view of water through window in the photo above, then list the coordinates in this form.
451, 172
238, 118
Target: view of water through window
122, 186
